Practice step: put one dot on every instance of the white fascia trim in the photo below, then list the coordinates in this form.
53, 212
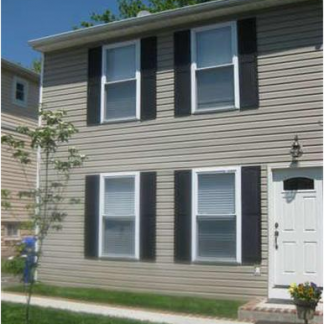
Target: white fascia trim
165, 19
136, 176
137, 44
238, 208
15, 101
20, 70
193, 68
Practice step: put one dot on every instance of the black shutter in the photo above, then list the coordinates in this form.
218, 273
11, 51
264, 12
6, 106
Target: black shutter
182, 73
148, 216
182, 210
91, 224
148, 77
247, 48
94, 85
251, 214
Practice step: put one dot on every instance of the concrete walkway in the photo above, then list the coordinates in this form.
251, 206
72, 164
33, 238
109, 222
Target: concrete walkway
115, 311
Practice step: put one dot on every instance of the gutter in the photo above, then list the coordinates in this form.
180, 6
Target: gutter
160, 20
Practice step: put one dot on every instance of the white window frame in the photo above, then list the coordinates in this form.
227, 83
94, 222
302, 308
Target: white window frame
104, 176
194, 234
7, 231
22, 103
194, 103
137, 78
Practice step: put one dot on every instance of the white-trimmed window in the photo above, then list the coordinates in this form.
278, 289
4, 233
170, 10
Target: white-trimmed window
214, 68
12, 230
119, 215
120, 82
216, 218
20, 91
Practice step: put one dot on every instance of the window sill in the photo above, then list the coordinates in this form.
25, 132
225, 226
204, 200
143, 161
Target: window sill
117, 121
214, 110
22, 104
217, 263
8, 238
123, 259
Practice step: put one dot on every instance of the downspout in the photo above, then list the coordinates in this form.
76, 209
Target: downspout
38, 161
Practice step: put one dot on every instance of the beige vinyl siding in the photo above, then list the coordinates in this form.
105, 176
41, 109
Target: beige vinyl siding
15, 177
7, 104
290, 87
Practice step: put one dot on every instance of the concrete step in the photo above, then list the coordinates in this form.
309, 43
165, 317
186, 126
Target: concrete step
263, 311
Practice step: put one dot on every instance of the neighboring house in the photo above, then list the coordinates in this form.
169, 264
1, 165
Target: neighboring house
19, 106
188, 118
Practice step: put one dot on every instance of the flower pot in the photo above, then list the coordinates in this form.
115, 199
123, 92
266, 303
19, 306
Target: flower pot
305, 309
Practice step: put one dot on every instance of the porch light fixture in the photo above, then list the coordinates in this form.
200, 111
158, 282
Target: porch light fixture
296, 149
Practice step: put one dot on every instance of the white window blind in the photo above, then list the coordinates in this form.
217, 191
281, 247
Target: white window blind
120, 196
216, 194
214, 68
120, 82
119, 237
216, 216
119, 217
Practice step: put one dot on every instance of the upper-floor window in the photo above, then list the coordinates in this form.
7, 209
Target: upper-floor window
120, 83
20, 91
214, 68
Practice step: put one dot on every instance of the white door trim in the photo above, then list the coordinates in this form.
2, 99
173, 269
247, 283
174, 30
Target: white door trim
272, 291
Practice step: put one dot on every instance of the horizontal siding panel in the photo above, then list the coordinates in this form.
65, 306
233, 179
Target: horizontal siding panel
290, 81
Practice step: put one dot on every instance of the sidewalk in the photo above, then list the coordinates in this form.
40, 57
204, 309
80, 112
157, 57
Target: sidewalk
116, 311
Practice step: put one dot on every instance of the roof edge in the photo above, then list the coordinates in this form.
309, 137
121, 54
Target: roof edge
168, 18
19, 69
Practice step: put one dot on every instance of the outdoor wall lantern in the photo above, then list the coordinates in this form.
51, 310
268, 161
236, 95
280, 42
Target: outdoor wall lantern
296, 149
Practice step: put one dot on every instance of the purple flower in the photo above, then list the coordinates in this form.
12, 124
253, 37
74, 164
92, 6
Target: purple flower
314, 286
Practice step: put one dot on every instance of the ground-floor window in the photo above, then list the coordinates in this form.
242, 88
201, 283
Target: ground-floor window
12, 230
216, 215
119, 215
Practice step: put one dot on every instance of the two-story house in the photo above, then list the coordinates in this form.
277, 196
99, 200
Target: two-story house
19, 106
195, 182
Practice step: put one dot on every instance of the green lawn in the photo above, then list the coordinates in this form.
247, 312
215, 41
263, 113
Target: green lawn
192, 305
14, 314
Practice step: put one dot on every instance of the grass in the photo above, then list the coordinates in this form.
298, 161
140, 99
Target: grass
191, 305
15, 314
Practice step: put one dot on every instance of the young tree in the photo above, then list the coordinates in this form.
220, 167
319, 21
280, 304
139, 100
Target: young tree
45, 204
130, 8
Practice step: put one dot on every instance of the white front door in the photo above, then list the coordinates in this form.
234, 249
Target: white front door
297, 226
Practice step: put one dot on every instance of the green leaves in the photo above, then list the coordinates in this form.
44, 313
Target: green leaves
45, 204
130, 8
5, 199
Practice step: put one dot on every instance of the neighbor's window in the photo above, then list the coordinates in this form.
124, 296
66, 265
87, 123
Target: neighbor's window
20, 89
120, 82
12, 230
120, 215
215, 68
216, 216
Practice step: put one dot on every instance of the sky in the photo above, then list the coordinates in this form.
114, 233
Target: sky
24, 20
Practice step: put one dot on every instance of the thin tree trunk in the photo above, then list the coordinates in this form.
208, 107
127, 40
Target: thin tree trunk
40, 240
